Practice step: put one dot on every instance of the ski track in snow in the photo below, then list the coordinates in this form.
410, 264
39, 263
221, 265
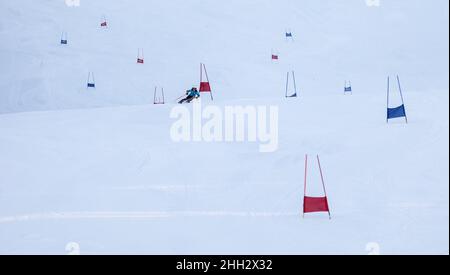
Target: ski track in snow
140, 215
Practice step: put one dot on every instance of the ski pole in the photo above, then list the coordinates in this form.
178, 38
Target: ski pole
179, 97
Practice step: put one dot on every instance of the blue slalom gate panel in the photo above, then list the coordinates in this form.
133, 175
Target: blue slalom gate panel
347, 89
64, 42
396, 112
91, 85
291, 96
288, 34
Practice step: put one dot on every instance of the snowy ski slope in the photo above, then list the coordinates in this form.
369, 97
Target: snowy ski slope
111, 180
334, 41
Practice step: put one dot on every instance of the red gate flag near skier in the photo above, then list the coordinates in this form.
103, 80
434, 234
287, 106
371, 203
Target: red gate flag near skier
315, 204
205, 86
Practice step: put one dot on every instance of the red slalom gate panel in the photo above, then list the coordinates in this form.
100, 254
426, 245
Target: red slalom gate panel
140, 56
311, 204
274, 57
315, 204
205, 87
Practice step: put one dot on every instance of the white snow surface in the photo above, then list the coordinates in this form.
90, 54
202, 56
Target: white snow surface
98, 167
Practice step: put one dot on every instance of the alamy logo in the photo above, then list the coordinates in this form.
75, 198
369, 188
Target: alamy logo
230, 124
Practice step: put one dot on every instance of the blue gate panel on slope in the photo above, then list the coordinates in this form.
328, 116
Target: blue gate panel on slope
396, 112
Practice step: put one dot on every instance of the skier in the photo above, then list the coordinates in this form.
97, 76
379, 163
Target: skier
191, 94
